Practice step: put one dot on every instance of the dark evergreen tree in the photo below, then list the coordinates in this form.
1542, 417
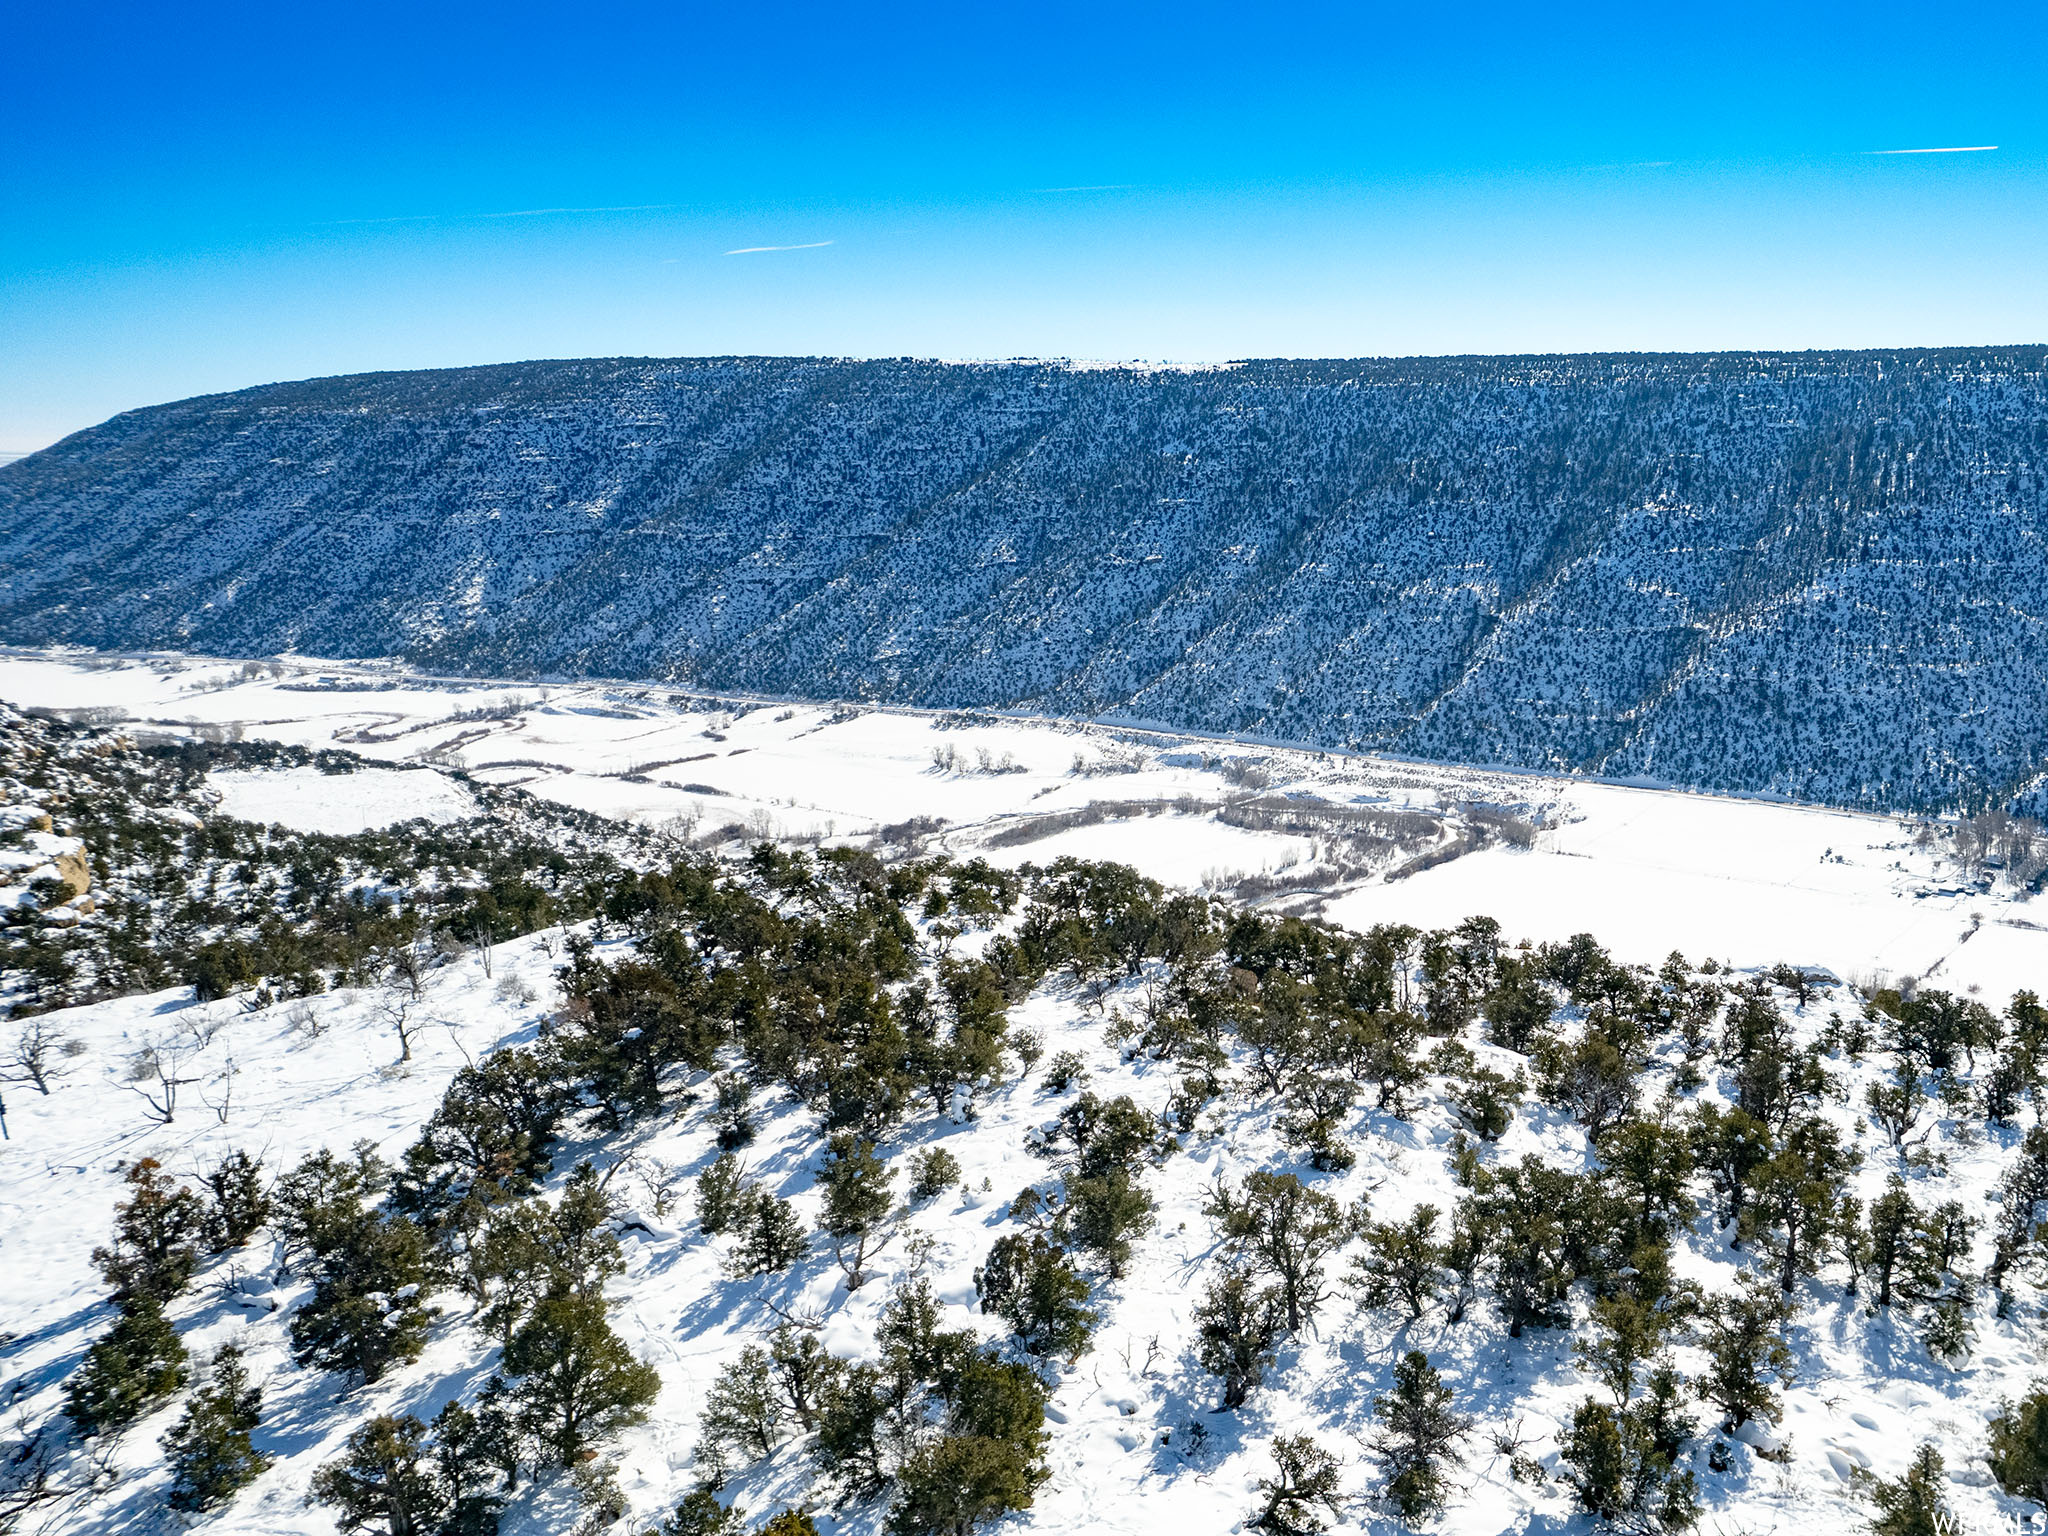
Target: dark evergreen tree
1416, 1438
1106, 1213
1285, 1229
771, 1238
1302, 1489
155, 1249
1031, 1285
2019, 1447
955, 1483
856, 1189
700, 1514
1621, 1462
722, 1192
209, 1451
368, 1309
470, 1455
1911, 1504
384, 1482
574, 1380
1402, 1265
238, 1202
743, 1413
129, 1370
1237, 1326
803, 1374
1746, 1353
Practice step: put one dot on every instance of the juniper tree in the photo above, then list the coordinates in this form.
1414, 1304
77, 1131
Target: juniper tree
1402, 1265
1237, 1325
771, 1238
1031, 1285
1728, 1145
384, 1482
237, 1204
1283, 1228
1647, 1162
700, 1514
470, 1454
209, 1451
1301, 1490
743, 1414
154, 1251
1798, 1199
319, 1204
802, 1373
2019, 1447
721, 1195
1911, 1504
733, 1110
1417, 1437
932, 1173
368, 1310
1523, 1214
951, 1485
852, 1427
2021, 1190
1740, 1331
1621, 1462
574, 1379
1483, 1100
130, 1369
856, 1188
1895, 1249
1106, 1214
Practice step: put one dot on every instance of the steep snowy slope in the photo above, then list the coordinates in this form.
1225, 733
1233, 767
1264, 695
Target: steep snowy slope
1818, 574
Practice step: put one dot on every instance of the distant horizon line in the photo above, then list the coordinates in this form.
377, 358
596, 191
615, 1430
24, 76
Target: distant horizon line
1056, 360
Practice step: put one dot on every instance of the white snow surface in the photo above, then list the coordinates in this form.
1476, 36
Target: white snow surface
1646, 872
1747, 882
307, 800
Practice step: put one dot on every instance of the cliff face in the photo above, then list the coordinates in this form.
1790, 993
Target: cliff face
1816, 574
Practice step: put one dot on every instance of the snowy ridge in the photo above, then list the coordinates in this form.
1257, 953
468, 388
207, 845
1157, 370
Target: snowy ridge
1817, 575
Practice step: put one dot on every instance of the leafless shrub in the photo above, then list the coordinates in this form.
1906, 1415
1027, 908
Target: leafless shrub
515, 990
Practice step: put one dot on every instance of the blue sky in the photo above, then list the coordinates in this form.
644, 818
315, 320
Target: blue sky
209, 196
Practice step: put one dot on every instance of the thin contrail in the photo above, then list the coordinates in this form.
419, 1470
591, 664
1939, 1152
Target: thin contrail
1950, 149
755, 250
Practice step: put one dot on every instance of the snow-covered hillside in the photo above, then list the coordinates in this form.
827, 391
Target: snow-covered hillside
1020, 1013
1814, 574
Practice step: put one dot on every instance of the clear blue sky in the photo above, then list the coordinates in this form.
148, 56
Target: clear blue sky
208, 196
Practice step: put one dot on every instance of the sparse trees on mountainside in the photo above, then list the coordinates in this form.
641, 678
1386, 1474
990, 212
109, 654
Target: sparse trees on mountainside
1580, 1132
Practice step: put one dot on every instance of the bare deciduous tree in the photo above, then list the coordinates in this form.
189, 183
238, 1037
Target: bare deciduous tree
397, 1009
155, 1078
36, 1055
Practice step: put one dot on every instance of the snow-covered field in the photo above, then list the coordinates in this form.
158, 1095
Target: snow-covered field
1746, 882
1749, 884
312, 801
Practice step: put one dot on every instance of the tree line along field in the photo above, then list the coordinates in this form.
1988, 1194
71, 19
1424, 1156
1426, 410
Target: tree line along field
1294, 1224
